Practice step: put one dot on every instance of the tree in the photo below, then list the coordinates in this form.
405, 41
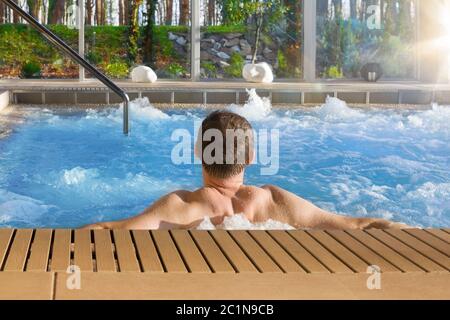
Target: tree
34, 7
322, 8
148, 46
2, 13
211, 12
89, 11
133, 32
184, 12
353, 10
100, 16
56, 11
169, 12
121, 13
16, 18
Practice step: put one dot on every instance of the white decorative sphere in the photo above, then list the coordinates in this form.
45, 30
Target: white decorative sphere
143, 74
258, 72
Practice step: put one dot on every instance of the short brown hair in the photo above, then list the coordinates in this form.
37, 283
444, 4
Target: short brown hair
226, 122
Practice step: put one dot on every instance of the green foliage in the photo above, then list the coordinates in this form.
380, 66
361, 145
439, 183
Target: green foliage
334, 72
175, 70
237, 12
235, 28
236, 65
210, 69
31, 69
283, 66
117, 70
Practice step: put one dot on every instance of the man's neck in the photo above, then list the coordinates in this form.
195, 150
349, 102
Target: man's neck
227, 187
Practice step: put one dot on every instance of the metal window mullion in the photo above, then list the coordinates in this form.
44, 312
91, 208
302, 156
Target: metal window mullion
310, 44
81, 48
195, 40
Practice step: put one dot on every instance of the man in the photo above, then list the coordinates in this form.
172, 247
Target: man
224, 193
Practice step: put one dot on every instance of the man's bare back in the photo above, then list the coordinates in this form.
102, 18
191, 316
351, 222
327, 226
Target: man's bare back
225, 194
184, 210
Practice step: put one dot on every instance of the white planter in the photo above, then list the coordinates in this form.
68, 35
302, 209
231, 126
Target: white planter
258, 72
143, 74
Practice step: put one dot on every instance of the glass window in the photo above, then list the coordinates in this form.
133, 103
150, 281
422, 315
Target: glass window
121, 34
353, 33
24, 53
229, 31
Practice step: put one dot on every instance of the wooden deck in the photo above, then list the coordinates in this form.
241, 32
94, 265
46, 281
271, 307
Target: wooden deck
120, 264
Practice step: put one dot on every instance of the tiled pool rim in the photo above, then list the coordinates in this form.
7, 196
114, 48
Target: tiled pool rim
72, 92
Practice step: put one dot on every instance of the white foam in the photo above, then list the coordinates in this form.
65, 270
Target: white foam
18, 207
78, 175
435, 120
257, 108
335, 109
240, 222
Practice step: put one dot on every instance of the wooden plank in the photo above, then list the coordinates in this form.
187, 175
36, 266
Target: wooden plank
431, 240
61, 250
126, 255
82, 251
346, 256
319, 252
26, 286
40, 250
447, 230
298, 252
146, 251
168, 251
189, 251
216, 259
234, 254
18, 253
104, 252
260, 258
276, 252
406, 251
362, 251
383, 250
5, 239
422, 247
441, 234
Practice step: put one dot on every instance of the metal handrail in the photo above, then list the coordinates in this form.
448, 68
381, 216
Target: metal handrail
58, 42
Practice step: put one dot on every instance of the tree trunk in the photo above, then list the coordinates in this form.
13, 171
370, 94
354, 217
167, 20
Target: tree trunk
121, 13
184, 12
353, 10
56, 11
337, 4
98, 12
2, 13
89, 11
149, 54
169, 12
34, 7
322, 8
133, 36
211, 12
16, 17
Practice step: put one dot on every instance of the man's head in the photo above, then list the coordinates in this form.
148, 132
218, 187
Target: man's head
225, 143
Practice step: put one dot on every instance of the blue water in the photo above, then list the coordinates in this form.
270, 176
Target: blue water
66, 169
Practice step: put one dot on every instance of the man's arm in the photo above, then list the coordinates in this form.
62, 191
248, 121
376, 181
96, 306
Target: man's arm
173, 211
302, 214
